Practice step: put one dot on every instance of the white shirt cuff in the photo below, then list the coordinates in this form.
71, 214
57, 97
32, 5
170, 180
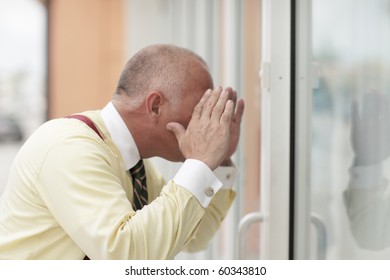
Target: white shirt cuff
227, 175
197, 177
364, 177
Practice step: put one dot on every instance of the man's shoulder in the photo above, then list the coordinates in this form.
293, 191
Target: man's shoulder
61, 128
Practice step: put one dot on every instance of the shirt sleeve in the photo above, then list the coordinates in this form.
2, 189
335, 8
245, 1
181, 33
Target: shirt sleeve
365, 177
197, 177
212, 220
214, 192
227, 175
367, 202
86, 197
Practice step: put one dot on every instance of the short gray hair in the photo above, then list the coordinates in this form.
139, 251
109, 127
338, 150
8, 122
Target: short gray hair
157, 67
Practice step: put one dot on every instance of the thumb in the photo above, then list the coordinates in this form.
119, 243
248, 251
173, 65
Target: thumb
177, 129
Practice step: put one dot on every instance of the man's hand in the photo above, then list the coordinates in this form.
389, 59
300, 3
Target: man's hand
234, 126
207, 137
370, 133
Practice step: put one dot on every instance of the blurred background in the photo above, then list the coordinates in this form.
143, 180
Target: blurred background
59, 57
23, 75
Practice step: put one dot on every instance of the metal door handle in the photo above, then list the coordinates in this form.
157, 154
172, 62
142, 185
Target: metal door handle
319, 224
246, 221
257, 217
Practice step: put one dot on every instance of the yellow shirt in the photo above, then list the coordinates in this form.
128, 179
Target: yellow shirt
69, 195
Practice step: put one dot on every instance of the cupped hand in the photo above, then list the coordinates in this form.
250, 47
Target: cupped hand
235, 126
208, 134
370, 130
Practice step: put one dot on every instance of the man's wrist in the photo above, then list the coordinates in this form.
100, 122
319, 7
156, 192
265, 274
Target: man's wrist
366, 176
227, 175
227, 162
199, 179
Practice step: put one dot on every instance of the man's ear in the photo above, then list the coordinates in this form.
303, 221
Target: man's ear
153, 103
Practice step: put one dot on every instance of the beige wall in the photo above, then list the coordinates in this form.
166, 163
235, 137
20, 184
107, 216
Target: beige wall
251, 120
252, 51
85, 53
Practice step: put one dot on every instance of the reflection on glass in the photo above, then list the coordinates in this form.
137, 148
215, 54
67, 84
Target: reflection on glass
350, 44
367, 201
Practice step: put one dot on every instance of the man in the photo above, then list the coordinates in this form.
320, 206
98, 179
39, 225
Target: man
70, 192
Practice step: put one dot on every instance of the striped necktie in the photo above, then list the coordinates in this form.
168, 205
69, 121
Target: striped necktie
139, 185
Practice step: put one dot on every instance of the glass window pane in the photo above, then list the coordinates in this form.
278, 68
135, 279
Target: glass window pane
350, 126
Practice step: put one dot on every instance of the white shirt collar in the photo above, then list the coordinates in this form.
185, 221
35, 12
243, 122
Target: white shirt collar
120, 135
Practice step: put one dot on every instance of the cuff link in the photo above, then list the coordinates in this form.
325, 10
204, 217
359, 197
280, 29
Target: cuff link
209, 192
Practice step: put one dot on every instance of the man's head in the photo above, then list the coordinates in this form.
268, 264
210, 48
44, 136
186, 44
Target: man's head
160, 84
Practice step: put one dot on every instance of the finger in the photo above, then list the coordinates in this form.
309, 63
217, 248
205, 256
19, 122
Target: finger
199, 107
239, 111
233, 96
354, 117
211, 102
383, 106
385, 112
220, 106
177, 129
227, 114
234, 99
232, 93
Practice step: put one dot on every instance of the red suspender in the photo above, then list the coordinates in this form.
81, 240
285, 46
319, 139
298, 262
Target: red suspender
87, 121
